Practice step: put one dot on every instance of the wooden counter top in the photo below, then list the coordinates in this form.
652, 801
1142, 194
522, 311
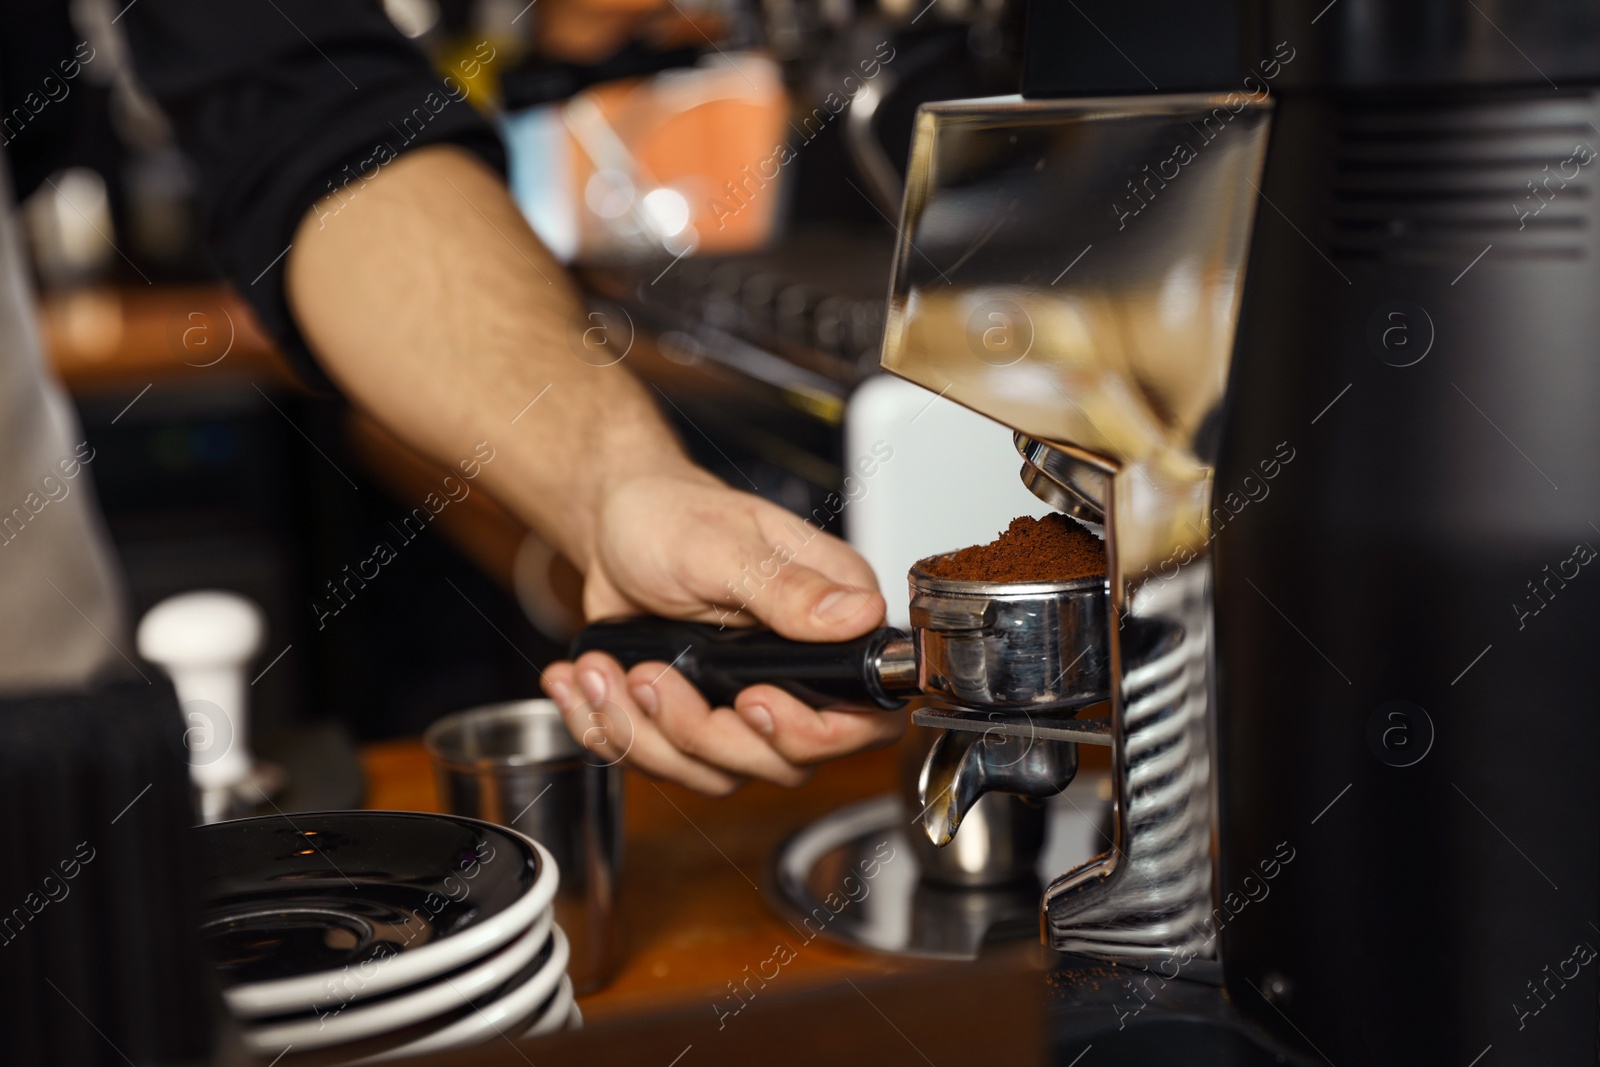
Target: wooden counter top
691, 911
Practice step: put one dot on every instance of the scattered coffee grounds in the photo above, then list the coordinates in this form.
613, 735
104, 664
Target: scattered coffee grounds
1051, 549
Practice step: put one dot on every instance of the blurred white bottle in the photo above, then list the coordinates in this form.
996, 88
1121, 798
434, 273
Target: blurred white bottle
204, 641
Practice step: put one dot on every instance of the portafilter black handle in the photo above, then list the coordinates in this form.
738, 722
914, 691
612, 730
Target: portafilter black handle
878, 668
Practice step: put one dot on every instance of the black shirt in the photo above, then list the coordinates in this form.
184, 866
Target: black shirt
276, 102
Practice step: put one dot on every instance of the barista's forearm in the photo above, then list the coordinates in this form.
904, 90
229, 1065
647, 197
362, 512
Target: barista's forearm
433, 306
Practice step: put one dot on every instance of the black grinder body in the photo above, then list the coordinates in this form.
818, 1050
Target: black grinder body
1407, 670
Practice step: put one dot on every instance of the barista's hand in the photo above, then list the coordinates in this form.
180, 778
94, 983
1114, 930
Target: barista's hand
686, 546
597, 472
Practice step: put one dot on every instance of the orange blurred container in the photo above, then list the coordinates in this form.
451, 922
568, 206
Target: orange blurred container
692, 159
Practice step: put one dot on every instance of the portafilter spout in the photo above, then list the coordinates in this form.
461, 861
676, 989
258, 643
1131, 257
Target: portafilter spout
963, 765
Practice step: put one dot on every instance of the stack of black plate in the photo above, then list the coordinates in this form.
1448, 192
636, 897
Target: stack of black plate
383, 934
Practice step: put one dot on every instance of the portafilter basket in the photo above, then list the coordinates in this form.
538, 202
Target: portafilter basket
1031, 646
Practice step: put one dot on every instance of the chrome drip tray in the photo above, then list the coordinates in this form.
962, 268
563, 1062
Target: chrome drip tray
853, 877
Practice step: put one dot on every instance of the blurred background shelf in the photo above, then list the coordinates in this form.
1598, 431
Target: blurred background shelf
108, 337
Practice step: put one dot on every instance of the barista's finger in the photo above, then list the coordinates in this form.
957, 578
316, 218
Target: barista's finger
603, 686
717, 736
602, 716
806, 605
830, 556
804, 736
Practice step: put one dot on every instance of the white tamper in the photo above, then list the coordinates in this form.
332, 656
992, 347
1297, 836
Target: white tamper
204, 641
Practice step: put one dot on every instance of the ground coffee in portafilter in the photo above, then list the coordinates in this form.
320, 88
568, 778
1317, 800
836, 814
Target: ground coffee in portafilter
1051, 549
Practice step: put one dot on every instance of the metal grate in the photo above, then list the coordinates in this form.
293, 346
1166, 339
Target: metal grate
1436, 181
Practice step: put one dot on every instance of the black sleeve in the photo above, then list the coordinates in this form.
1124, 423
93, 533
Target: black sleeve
42, 91
279, 103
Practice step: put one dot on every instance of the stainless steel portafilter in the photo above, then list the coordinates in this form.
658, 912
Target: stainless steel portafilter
1019, 646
